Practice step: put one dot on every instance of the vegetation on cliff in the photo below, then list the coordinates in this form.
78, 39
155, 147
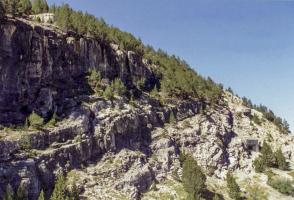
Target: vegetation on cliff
177, 77
269, 115
268, 159
193, 179
234, 189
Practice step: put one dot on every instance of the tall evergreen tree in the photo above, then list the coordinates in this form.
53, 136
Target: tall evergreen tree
9, 194
40, 6
41, 196
44, 6
11, 7
63, 16
281, 160
25, 7
193, 179
267, 155
234, 189
36, 6
59, 192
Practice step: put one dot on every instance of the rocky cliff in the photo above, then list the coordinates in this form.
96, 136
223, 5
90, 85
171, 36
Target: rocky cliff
43, 69
112, 149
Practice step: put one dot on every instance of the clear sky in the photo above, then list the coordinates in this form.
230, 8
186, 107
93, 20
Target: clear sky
245, 44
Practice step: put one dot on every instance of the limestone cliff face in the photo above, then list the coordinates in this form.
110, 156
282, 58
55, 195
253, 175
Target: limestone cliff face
114, 149
42, 68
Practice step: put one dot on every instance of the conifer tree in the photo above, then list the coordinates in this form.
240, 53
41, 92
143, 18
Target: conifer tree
41, 196
234, 189
259, 165
59, 192
281, 160
11, 7
9, 194
44, 6
119, 87
193, 179
25, 7
267, 155
108, 93
40, 6
63, 17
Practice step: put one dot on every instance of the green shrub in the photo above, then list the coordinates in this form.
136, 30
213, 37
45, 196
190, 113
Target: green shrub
41, 195
217, 197
182, 157
270, 174
256, 119
53, 121
193, 179
234, 189
284, 186
186, 124
255, 192
25, 142
132, 102
35, 121
119, 87
108, 93
259, 165
94, 80
59, 192
154, 92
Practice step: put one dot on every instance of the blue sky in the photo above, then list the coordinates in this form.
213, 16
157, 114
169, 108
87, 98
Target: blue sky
245, 44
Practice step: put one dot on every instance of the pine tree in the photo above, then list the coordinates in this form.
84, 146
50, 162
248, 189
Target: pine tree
9, 194
25, 7
44, 6
193, 179
36, 6
59, 192
63, 17
35, 120
281, 160
259, 165
11, 7
41, 196
119, 87
267, 155
108, 93
234, 189
40, 6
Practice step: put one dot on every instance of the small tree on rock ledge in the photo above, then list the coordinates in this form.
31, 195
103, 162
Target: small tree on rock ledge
193, 179
234, 189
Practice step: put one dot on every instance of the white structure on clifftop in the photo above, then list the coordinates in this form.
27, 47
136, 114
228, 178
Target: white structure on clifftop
44, 17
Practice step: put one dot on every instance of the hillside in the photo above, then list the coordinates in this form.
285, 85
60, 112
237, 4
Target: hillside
119, 120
